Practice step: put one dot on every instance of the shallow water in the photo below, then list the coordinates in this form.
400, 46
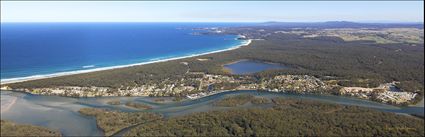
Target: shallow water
61, 113
250, 66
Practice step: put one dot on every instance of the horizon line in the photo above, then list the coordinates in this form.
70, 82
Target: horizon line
383, 22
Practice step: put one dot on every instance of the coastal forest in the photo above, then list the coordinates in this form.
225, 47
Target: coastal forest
278, 116
289, 117
359, 63
351, 63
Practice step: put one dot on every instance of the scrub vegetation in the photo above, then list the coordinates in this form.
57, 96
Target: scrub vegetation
9, 128
138, 105
289, 117
114, 102
113, 121
237, 100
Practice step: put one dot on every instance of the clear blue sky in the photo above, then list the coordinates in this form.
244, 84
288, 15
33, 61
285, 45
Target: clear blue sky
219, 11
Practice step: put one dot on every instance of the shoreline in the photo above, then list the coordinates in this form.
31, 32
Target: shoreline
37, 77
419, 104
9, 105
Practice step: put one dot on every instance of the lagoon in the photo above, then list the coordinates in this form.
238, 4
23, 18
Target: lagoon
61, 113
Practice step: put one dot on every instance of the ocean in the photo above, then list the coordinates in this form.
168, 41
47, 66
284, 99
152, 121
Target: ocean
36, 50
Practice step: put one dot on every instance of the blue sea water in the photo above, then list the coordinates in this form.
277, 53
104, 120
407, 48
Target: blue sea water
29, 49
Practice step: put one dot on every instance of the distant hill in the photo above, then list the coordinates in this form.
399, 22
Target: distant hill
340, 24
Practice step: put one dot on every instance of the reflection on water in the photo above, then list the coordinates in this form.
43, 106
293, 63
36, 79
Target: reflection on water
250, 66
61, 113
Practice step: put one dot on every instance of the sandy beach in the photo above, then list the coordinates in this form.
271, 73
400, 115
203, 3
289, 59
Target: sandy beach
36, 77
7, 102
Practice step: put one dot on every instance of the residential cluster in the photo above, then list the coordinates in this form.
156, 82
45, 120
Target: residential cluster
198, 84
386, 93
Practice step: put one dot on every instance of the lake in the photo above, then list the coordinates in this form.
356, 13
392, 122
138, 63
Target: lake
61, 113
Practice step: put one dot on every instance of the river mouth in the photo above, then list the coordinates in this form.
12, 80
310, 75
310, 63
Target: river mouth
61, 113
243, 67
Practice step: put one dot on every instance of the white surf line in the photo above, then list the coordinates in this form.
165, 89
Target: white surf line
89, 66
36, 77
